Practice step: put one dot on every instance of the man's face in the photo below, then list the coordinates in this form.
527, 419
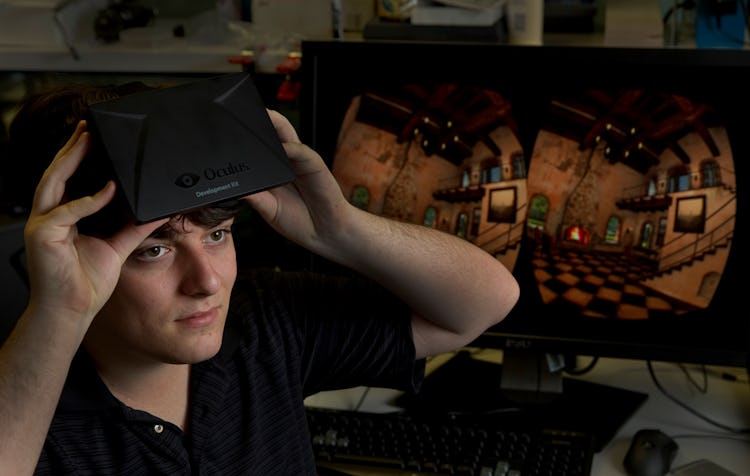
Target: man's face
171, 301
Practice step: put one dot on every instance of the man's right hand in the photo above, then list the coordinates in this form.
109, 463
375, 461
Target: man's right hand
73, 274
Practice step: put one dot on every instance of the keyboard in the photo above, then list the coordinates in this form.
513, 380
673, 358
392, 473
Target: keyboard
349, 442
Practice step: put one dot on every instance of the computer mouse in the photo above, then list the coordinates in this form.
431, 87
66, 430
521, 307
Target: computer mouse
651, 453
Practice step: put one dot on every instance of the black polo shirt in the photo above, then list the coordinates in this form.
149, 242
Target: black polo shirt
287, 336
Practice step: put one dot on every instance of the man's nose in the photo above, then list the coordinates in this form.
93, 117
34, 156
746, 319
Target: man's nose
200, 274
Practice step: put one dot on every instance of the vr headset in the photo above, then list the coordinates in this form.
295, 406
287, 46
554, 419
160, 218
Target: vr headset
176, 149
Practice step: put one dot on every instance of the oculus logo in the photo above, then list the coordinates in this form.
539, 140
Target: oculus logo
187, 180
190, 180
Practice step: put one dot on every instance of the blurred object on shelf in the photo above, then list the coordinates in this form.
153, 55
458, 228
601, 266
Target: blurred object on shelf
289, 89
395, 10
633, 23
525, 22
29, 24
246, 60
356, 13
571, 16
121, 15
436, 12
308, 18
273, 49
721, 24
377, 29
234, 10
679, 23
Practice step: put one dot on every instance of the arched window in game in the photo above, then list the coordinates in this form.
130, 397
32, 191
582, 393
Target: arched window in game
360, 197
430, 217
612, 234
710, 173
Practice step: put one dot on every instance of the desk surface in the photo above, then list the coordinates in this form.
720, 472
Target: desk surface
726, 401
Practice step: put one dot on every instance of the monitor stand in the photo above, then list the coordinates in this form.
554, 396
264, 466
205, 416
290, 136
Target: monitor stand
531, 377
468, 386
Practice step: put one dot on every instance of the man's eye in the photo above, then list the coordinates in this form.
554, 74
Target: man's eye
218, 235
153, 252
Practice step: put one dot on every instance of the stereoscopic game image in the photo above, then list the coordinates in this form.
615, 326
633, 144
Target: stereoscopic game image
627, 201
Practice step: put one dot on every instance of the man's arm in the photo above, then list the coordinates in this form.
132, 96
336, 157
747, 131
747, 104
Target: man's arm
71, 277
456, 289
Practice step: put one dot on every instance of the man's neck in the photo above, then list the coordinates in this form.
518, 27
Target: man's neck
159, 389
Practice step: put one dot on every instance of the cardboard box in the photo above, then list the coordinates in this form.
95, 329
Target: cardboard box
429, 12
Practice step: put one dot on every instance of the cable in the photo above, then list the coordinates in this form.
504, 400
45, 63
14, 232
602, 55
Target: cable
362, 399
701, 388
690, 409
583, 370
64, 32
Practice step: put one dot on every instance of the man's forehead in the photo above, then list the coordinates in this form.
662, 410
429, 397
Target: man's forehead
182, 225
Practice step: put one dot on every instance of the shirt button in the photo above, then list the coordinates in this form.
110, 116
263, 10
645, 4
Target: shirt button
158, 428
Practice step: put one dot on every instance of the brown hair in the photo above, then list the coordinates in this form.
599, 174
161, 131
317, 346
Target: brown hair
44, 122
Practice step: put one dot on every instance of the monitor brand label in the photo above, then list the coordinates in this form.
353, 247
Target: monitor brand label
517, 344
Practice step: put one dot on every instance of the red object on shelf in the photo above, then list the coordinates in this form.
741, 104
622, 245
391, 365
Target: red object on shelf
291, 63
246, 60
289, 88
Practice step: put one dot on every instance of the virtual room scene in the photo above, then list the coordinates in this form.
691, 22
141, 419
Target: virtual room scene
627, 201
446, 156
632, 203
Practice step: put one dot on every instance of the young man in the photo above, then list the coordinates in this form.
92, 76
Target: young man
143, 352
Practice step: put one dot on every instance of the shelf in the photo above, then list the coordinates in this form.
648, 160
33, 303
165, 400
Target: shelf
118, 58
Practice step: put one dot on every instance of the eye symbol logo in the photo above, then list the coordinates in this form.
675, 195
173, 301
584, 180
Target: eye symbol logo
186, 180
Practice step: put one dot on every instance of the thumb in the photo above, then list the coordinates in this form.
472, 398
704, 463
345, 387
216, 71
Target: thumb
264, 203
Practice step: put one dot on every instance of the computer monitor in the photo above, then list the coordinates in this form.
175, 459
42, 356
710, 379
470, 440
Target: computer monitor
609, 180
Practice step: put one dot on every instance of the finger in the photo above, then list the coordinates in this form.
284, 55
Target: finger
72, 212
51, 187
131, 235
86, 206
264, 203
80, 127
284, 128
303, 159
72, 143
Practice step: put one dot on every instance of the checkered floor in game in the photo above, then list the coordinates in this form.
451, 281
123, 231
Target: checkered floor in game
599, 284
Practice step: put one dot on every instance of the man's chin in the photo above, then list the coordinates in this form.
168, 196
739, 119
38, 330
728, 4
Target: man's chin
197, 353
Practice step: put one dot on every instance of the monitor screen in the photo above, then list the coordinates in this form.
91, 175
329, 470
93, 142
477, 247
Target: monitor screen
609, 180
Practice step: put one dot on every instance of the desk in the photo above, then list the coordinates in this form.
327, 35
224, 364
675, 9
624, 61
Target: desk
725, 401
